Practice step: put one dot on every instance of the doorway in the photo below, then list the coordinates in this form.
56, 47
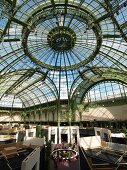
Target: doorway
75, 138
64, 138
53, 138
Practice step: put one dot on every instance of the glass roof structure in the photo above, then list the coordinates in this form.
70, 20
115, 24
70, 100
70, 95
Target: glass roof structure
52, 50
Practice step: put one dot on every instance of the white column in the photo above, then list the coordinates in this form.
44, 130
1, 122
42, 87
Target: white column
69, 133
49, 133
56, 136
59, 134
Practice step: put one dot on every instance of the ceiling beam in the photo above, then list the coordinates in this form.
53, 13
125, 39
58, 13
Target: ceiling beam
10, 40
42, 78
18, 82
14, 3
102, 18
53, 3
65, 8
18, 21
110, 11
9, 1
111, 36
76, 11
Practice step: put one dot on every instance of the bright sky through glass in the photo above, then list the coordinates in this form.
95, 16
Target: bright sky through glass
36, 69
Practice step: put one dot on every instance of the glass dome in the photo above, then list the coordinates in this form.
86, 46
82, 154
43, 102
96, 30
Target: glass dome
56, 50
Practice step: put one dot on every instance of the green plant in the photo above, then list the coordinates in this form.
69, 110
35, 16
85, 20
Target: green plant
23, 116
125, 132
40, 132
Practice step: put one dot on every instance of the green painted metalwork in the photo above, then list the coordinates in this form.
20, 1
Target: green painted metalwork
54, 50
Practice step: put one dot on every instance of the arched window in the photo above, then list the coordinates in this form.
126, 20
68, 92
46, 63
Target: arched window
107, 90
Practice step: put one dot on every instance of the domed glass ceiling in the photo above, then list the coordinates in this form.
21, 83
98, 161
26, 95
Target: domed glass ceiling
51, 50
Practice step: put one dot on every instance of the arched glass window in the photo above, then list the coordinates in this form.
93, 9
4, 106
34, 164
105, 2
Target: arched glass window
107, 90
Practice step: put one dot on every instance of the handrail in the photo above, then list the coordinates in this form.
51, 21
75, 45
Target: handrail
119, 164
121, 157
